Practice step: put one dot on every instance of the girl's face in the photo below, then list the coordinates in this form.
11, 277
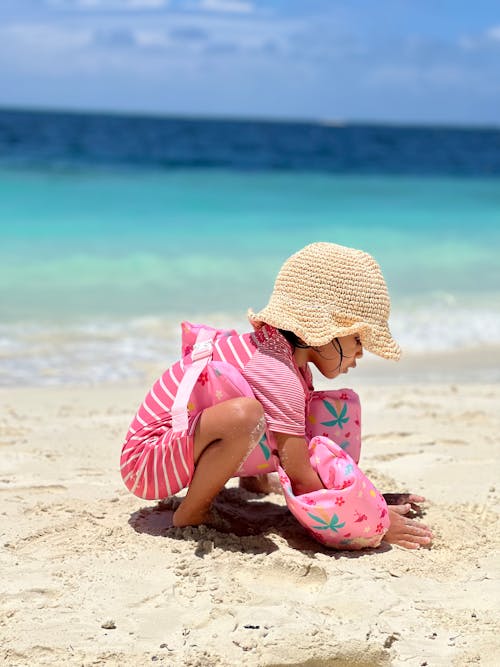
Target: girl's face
329, 360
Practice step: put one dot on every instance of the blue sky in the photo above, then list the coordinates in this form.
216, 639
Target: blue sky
386, 60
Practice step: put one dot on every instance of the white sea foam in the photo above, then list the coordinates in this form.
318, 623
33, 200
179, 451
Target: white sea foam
445, 328
98, 351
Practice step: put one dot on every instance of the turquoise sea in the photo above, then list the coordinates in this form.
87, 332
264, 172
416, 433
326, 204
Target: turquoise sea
101, 258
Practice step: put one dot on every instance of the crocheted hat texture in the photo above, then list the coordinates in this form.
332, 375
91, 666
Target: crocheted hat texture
327, 291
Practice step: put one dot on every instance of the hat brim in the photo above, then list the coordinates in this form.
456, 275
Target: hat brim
376, 338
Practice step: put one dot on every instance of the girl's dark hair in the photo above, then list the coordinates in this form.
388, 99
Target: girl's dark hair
339, 349
295, 341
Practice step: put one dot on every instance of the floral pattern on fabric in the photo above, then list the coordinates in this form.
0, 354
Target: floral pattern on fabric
349, 513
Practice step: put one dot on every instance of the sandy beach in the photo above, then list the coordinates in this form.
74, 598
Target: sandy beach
94, 576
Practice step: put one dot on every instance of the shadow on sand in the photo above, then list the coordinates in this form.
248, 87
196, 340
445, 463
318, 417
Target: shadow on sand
243, 521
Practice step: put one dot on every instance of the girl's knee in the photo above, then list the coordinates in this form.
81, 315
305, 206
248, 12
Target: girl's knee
246, 416
238, 421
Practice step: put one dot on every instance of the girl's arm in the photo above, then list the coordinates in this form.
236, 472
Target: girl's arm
294, 459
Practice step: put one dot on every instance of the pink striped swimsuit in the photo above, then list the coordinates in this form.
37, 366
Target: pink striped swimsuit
156, 465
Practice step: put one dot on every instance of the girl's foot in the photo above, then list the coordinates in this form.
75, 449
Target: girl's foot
184, 517
261, 484
208, 517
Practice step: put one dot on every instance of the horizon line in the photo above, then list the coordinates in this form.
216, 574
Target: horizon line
325, 121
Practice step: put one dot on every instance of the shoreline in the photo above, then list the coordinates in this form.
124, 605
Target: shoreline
93, 575
464, 366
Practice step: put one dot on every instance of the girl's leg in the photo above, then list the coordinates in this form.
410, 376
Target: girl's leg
224, 436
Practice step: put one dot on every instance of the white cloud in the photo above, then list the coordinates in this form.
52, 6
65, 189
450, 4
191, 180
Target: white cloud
414, 78
147, 4
117, 38
151, 39
467, 43
226, 6
107, 5
42, 38
494, 33
43, 51
480, 41
66, 44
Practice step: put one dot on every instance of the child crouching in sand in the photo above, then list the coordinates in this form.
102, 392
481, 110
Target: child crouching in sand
328, 304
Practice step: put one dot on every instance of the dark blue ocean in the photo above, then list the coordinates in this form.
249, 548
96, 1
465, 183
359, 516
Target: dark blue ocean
114, 227
78, 141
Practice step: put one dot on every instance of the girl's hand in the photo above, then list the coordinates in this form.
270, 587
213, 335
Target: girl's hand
406, 532
403, 499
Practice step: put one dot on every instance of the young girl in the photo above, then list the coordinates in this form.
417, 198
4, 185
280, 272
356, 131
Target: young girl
328, 304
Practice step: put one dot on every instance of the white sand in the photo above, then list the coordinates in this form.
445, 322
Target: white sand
78, 552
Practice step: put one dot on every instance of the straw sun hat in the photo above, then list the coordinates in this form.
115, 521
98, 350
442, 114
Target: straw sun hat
327, 291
